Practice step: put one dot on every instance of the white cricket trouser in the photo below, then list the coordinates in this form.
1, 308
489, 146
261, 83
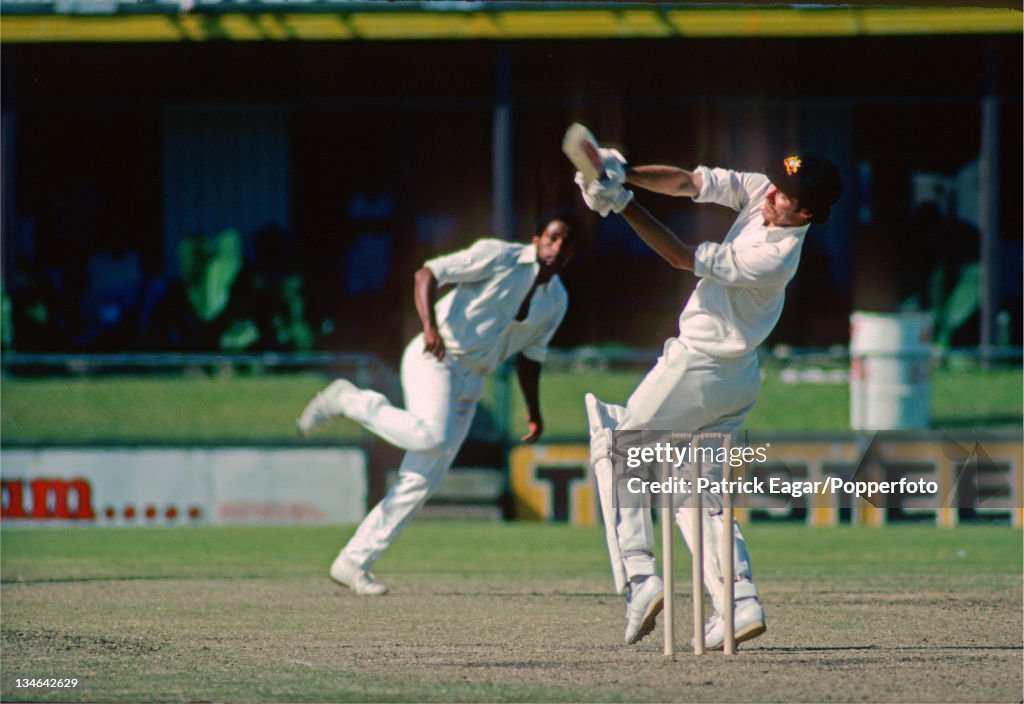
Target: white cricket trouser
691, 392
440, 399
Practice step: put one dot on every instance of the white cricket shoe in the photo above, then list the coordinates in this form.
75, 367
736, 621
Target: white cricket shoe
329, 403
643, 604
349, 574
748, 624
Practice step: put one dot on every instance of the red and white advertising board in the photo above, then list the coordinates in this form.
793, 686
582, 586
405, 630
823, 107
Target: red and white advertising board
182, 486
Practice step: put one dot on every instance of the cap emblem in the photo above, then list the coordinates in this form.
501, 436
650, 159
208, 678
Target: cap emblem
792, 164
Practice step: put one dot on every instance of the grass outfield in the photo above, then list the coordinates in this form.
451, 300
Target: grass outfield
264, 408
499, 612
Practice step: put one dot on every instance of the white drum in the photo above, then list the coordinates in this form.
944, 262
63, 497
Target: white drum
890, 374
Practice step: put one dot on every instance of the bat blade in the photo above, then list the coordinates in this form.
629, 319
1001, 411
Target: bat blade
581, 148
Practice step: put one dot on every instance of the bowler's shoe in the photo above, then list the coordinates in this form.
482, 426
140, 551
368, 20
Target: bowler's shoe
349, 574
329, 403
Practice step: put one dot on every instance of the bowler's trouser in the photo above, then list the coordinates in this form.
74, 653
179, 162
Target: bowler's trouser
440, 399
691, 392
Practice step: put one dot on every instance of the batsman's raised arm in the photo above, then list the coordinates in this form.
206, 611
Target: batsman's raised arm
667, 180
658, 237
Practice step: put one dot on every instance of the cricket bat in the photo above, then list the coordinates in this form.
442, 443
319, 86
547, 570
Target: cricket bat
581, 148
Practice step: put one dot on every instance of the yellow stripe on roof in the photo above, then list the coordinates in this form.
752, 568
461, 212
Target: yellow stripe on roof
765, 23
420, 25
591, 23
577, 24
317, 27
67, 28
960, 20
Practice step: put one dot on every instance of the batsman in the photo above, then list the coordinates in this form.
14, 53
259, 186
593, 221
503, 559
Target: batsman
707, 378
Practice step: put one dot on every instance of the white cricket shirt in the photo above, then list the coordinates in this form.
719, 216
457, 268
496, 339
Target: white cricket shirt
477, 319
742, 286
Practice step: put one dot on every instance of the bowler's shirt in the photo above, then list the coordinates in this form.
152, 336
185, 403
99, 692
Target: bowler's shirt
742, 286
477, 319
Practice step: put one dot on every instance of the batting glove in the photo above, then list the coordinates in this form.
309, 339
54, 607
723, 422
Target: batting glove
614, 165
604, 196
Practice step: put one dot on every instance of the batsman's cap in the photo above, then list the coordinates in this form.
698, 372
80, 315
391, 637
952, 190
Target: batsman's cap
810, 178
